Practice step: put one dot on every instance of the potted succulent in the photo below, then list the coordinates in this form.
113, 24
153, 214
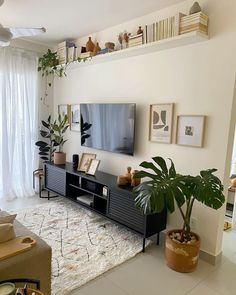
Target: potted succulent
165, 190
59, 127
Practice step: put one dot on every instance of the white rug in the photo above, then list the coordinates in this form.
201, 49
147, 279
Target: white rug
84, 244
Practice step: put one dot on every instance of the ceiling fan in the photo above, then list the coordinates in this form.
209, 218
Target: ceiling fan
7, 34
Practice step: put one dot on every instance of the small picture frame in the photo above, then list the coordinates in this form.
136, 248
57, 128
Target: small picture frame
160, 122
63, 109
190, 130
75, 117
94, 163
85, 161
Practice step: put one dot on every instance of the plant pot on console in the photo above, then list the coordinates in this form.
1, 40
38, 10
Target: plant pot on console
181, 256
59, 158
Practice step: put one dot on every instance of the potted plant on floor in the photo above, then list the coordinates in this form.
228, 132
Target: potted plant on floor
59, 127
166, 190
48, 146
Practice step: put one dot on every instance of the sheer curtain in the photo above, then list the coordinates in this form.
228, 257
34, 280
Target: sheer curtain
18, 121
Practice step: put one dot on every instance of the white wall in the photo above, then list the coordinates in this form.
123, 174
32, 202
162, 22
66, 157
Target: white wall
198, 78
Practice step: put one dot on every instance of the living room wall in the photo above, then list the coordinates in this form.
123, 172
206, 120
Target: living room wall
198, 78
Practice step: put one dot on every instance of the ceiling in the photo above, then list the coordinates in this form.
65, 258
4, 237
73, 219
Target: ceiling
71, 19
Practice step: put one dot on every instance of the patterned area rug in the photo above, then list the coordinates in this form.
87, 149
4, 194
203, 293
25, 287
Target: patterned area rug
84, 244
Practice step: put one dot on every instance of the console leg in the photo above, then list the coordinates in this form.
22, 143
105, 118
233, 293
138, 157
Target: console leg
144, 239
158, 238
48, 195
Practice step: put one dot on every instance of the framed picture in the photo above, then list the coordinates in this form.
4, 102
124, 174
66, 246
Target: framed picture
63, 109
190, 130
160, 124
85, 161
75, 117
93, 166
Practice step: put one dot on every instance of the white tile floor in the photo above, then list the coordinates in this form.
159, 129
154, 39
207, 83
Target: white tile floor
147, 273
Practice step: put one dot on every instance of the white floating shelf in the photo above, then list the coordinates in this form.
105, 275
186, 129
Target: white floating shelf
180, 40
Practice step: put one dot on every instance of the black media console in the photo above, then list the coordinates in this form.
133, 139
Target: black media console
101, 194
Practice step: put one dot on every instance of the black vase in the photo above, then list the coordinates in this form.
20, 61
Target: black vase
75, 160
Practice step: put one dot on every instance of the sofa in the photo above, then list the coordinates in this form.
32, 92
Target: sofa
32, 264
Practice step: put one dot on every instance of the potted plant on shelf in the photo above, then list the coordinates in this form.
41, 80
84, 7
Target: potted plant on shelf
166, 190
59, 127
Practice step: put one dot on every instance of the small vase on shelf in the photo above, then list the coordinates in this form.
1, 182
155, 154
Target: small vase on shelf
90, 45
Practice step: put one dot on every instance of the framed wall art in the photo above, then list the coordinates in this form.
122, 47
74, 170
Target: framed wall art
85, 161
160, 122
75, 117
64, 109
190, 130
93, 166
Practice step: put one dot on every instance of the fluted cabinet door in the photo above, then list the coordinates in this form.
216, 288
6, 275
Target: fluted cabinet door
55, 180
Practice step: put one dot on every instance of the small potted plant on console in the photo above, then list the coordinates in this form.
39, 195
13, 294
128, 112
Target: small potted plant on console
167, 189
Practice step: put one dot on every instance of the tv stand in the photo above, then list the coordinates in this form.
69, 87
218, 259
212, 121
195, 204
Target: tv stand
101, 194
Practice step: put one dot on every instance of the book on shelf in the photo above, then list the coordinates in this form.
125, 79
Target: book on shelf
71, 54
86, 54
177, 19
194, 22
62, 51
85, 199
136, 37
105, 50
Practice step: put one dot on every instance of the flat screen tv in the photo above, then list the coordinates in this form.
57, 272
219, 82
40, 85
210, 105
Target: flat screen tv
108, 127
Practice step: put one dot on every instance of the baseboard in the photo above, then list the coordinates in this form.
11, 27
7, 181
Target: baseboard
214, 260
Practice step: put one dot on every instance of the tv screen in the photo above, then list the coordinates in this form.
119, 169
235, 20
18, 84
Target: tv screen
108, 127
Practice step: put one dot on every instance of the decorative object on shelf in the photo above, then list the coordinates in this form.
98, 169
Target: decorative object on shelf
75, 160
60, 127
135, 180
64, 109
195, 22
140, 30
7, 289
190, 130
160, 124
75, 117
154, 196
85, 161
47, 147
120, 39
135, 40
195, 8
90, 45
122, 180
93, 166
96, 48
110, 45
126, 36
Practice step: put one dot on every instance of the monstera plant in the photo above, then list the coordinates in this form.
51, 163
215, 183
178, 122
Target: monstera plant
165, 189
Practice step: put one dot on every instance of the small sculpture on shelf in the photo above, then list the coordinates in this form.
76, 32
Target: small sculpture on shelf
128, 178
140, 30
120, 39
126, 38
96, 48
195, 8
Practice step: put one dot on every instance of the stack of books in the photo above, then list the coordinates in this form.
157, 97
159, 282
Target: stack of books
86, 54
135, 40
105, 50
194, 22
62, 51
165, 28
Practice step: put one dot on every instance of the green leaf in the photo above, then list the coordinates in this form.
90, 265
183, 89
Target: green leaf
45, 124
162, 163
172, 171
41, 143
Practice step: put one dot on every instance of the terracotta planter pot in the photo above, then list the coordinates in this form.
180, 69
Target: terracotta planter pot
181, 257
59, 158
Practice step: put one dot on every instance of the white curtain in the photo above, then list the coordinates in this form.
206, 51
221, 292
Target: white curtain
18, 121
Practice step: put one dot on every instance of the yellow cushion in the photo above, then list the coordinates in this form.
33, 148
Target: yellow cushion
7, 219
7, 232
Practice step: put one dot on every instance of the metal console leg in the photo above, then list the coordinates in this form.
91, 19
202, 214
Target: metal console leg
158, 238
143, 250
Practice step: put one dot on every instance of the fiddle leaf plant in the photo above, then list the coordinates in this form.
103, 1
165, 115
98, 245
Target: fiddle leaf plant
48, 146
59, 127
165, 189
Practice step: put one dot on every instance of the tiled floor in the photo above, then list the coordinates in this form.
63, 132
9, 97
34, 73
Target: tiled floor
148, 274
